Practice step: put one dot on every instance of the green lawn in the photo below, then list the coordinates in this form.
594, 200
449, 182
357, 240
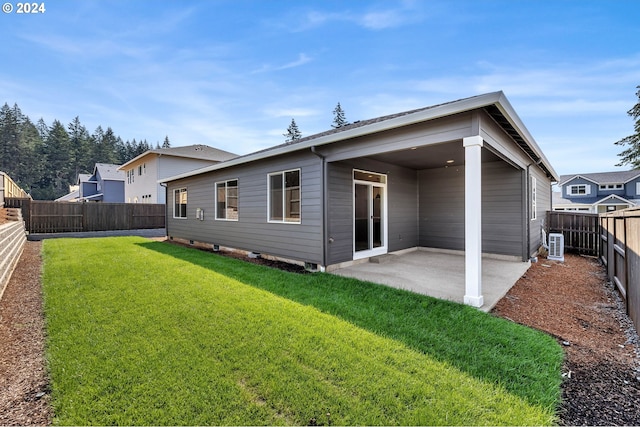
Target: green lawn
142, 332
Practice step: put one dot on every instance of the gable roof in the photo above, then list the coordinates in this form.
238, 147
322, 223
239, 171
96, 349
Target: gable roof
83, 177
196, 151
109, 172
495, 104
618, 177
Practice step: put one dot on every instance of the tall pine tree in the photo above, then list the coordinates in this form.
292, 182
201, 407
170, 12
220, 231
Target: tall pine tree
339, 119
166, 143
293, 133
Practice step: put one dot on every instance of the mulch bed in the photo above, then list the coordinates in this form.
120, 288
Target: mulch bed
24, 385
569, 300
573, 302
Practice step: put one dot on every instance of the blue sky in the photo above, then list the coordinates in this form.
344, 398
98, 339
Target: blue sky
232, 74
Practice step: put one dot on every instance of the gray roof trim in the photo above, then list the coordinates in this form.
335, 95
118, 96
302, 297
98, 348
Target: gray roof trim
617, 177
590, 201
372, 126
211, 154
563, 182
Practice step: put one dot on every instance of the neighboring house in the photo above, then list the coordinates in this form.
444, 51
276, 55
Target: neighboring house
144, 172
598, 192
74, 193
106, 184
464, 175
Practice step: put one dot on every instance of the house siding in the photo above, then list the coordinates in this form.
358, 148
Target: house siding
442, 208
402, 207
631, 189
543, 196
591, 192
252, 231
113, 191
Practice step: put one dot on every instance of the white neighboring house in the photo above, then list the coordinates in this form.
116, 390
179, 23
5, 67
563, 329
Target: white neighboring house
143, 172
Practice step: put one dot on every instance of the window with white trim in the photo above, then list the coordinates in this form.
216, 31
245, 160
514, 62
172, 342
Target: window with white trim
227, 200
578, 190
180, 203
638, 188
284, 196
534, 201
610, 186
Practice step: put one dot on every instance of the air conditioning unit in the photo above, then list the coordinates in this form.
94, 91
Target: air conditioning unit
556, 247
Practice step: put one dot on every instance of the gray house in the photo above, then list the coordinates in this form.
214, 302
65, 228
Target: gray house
106, 184
598, 192
464, 175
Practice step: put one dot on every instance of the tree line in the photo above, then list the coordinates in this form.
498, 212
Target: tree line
45, 159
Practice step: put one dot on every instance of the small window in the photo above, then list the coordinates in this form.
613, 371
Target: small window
180, 203
534, 202
140, 170
227, 200
576, 190
284, 196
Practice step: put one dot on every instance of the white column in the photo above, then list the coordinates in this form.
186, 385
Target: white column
473, 220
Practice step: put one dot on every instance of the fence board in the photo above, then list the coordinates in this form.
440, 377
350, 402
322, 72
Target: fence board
581, 231
59, 217
621, 237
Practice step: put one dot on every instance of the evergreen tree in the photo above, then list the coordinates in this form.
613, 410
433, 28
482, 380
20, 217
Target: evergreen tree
32, 165
293, 133
166, 143
57, 175
79, 144
9, 139
339, 118
631, 156
43, 129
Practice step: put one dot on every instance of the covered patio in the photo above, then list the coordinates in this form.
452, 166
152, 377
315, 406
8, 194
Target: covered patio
439, 274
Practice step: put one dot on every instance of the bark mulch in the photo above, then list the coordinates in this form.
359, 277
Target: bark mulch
571, 301
24, 385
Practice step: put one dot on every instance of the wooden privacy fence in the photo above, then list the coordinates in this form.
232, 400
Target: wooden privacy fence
59, 217
580, 230
620, 233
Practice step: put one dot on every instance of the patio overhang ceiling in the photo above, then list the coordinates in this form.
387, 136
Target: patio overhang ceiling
448, 154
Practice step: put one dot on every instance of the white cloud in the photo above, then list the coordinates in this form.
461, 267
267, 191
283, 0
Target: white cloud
302, 60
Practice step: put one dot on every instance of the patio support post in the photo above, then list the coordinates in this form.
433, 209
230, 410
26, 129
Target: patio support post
473, 220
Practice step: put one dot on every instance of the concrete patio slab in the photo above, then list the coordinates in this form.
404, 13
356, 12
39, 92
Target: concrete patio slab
438, 274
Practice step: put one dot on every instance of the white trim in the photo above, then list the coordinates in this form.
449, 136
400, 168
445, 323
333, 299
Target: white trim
473, 220
587, 189
383, 249
534, 199
283, 220
226, 198
174, 203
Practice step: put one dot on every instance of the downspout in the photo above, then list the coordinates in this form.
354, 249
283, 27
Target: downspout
325, 207
166, 207
528, 212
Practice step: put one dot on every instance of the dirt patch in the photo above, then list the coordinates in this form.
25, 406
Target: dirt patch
24, 399
573, 302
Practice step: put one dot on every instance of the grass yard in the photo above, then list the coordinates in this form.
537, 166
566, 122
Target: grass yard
148, 333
